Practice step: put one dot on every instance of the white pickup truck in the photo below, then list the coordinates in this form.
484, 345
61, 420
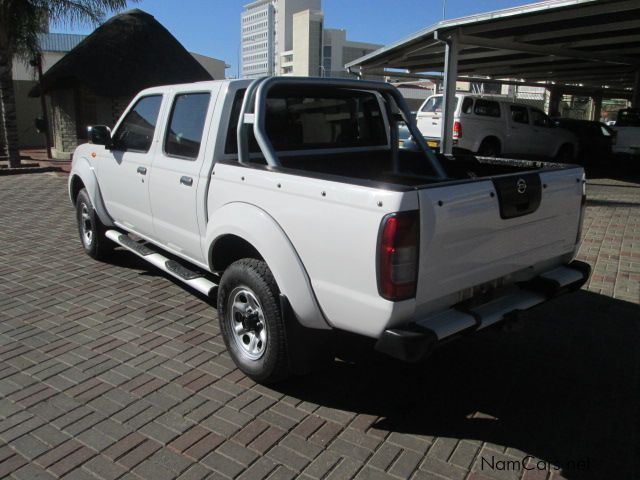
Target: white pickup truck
627, 128
493, 126
289, 201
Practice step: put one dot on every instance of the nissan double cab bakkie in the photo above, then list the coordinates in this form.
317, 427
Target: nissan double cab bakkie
290, 201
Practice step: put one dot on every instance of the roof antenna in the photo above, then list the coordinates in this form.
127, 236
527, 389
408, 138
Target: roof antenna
444, 9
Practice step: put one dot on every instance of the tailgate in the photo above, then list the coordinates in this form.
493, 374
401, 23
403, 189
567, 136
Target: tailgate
478, 231
429, 124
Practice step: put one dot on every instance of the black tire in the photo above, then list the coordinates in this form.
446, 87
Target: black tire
565, 154
91, 229
254, 334
490, 147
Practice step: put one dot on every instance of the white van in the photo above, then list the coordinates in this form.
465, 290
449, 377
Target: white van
492, 127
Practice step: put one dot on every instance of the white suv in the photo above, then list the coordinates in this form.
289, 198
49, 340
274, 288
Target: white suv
492, 127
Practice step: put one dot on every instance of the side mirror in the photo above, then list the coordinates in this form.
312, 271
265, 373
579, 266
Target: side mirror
100, 135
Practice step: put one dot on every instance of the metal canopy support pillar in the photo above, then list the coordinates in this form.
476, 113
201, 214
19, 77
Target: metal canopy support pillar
597, 107
555, 96
635, 99
449, 90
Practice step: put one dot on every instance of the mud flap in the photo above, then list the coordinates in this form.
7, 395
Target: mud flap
308, 348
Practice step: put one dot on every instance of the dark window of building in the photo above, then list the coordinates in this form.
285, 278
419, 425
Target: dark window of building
487, 108
519, 114
136, 130
184, 134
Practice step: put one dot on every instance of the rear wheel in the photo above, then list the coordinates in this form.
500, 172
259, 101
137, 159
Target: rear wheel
490, 147
251, 321
91, 229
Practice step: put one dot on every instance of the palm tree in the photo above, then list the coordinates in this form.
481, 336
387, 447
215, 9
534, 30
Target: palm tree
20, 23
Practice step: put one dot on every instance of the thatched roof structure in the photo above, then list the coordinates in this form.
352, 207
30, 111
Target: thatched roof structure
126, 54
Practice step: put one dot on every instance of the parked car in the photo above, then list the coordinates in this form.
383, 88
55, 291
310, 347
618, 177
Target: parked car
595, 139
627, 127
290, 202
492, 127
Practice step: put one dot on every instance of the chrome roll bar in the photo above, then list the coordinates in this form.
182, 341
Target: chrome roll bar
254, 110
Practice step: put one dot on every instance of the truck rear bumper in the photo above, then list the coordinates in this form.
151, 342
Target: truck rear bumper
416, 340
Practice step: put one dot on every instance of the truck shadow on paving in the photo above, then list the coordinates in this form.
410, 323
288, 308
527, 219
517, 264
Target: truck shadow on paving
564, 388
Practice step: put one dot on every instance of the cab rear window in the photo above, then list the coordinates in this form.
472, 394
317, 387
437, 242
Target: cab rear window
301, 119
434, 105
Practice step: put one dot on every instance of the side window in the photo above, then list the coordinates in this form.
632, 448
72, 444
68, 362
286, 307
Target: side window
539, 119
136, 130
487, 108
467, 105
231, 143
186, 123
519, 114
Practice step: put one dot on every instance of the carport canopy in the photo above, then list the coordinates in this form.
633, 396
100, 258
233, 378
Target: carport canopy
559, 44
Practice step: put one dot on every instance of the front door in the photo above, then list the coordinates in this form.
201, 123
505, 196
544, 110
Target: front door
519, 136
178, 210
123, 169
543, 135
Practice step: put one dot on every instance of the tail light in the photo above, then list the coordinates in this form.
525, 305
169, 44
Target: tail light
398, 255
457, 130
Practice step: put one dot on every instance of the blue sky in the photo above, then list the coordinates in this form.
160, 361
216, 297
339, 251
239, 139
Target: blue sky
212, 27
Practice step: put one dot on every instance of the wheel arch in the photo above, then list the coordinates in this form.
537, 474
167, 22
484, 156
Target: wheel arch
229, 248
492, 137
83, 176
240, 228
568, 146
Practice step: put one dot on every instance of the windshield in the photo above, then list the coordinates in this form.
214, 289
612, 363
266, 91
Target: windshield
434, 105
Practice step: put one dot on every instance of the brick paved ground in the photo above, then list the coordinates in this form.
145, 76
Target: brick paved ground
113, 371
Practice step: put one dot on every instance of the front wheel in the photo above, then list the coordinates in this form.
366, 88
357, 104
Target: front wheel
251, 321
91, 229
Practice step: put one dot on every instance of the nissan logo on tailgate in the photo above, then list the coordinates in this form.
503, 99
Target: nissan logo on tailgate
521, 185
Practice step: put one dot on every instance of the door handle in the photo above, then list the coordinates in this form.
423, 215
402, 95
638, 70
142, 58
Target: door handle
188, 181
142, 170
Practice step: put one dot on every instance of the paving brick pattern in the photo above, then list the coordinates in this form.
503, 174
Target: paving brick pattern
111, 370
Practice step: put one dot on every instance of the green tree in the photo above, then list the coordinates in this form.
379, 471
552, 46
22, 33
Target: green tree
20, 23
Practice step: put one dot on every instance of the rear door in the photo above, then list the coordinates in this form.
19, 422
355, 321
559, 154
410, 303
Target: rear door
178, 215
479, 231
123, 170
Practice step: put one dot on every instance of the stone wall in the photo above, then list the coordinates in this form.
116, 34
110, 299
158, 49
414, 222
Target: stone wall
63, 127
73, 111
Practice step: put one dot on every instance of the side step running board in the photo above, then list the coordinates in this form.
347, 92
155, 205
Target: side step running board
192, 278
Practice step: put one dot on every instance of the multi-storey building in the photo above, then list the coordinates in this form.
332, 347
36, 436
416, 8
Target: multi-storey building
258, 39
338, 51
287, 37
267, 31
